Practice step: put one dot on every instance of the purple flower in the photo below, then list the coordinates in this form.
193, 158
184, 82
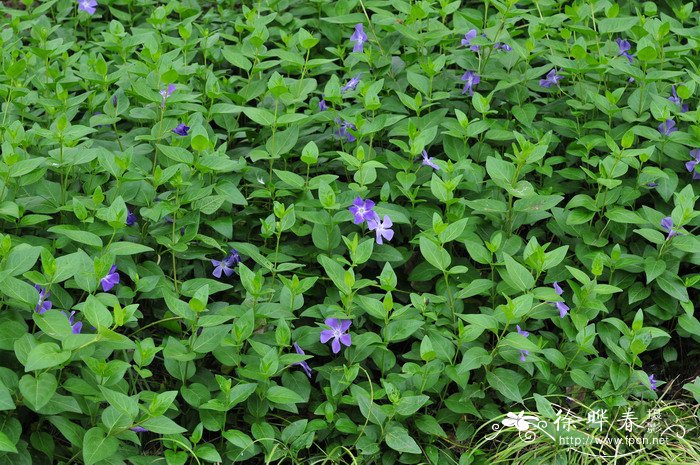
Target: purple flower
504, 47
165, 93
522, 332
114, 101
552, 79
181, 129
428, 161
363, 210
468, 37
130, 218
382, 229
352, 83
304, 366
524, 353
359, 37
338, 333
667, 127
667, 224
44, 304
138, 429
652, 184
87, 6
557, 288
234, 258
111, 279
652, 381
677, 100
224, 265
344, 130
562, 307
75, 327
322, 105
630, 80
624, 48
470, 80
690, 166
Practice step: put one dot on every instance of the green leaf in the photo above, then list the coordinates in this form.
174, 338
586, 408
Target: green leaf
21, 259
46, 355
336, 272
38, 391
210, 338
398, 439
282, 395
98, 446
177, 154
653, 268
54, 324
537, 203
518, 274
506, 382
6, 402
6, 445
77, 235
127, 248
262, 116
434, 254
673, 286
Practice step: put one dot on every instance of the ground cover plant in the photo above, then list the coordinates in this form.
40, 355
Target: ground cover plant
346, 232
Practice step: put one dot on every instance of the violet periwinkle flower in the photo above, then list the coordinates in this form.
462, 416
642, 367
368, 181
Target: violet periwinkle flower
234, 258
652, 184
563, 308
667, 224
181, 129
352, 83
359, 38
468, 37
552, 79
322, 105
560, 305
114, 101
652, 381
470, 80
677, 100
165, 93
75, 327
304, 366
362, 210
523, 354
88, 6
667, 127
557, 288
111, 279
383, 229
138, 429
344, 130
44, 304
224, 266
624, 48
504, 47
690, 166
428, 161
130, 218
338, 333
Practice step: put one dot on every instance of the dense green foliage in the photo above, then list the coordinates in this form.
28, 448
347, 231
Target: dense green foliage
537, 160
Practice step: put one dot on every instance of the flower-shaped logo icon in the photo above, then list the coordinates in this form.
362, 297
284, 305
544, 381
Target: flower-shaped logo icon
520, 420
